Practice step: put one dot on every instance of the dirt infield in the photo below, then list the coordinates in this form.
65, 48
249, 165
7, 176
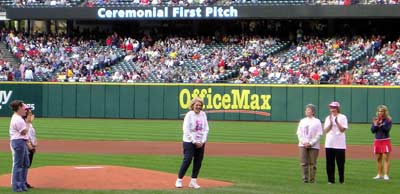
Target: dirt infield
105, 178
175, 148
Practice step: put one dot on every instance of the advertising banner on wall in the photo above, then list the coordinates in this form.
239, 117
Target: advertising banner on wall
250, 102
243, 101
30, 94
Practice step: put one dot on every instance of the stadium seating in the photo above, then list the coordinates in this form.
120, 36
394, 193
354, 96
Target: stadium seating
46, 3
384, 67
6, 2
271, 2
188, 67
333, 62
229, 60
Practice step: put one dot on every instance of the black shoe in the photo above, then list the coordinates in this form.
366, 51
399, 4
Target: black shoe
29, 186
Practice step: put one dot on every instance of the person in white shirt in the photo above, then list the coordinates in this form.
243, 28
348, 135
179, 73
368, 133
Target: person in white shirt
32, 142
335, 127
19, 129
309, 133
195, 133
29, 74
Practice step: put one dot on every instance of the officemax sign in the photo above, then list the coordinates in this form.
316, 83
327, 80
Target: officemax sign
236, 100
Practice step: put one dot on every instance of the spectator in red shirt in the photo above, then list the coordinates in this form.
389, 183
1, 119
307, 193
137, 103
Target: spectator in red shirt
255, 73
144, 2
389, 52
196, 56
109, 41
221, 63
386, 83
320, 51
68, 49
89, 4
10, 76
129, 47
21, 47
315, 77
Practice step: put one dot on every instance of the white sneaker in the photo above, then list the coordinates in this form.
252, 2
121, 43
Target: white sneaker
386, 177
178, 183
377, 177
193, 184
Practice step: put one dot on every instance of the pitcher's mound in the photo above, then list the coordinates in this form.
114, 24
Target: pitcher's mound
104, 178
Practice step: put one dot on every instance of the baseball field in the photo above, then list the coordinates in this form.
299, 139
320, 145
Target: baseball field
248, 157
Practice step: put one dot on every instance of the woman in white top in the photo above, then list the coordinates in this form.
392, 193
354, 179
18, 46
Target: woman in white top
309, 133
195, 132
18, 136
335, 127
31, 142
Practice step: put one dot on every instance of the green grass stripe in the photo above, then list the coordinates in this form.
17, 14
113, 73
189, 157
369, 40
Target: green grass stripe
171, 130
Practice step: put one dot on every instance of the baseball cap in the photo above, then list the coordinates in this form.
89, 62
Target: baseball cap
26, 107
334, 104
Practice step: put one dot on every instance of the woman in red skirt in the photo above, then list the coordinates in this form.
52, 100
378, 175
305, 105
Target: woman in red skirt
381, 125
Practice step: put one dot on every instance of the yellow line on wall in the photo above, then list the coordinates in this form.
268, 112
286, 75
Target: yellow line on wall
201, 85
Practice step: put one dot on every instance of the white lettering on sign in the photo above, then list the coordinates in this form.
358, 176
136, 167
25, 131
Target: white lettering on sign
219, 12
32, 106
163, 12
4, 97
132, 13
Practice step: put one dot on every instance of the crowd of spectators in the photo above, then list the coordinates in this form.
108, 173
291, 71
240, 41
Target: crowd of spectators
313, 60
58, 57
5, 68
193, 59
60, 3
385, 64
91, 3
246, 59
331, 61
352, 2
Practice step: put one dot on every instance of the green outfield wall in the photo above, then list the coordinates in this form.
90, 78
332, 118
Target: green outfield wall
222, 101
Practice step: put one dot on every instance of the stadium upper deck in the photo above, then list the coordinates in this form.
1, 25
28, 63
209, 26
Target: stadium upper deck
91, 3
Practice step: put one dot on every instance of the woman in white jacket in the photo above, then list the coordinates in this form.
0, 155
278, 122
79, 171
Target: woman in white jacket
195, 132
309, 133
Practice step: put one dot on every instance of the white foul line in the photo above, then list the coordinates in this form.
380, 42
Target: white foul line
88, 167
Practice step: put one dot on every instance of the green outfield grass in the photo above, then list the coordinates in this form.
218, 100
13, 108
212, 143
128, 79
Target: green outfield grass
250, 175
156, 130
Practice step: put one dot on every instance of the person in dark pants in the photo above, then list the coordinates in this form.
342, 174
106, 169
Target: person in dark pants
335, 127
31, 142
195, 132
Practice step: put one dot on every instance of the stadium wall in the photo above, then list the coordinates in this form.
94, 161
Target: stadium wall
222, 101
